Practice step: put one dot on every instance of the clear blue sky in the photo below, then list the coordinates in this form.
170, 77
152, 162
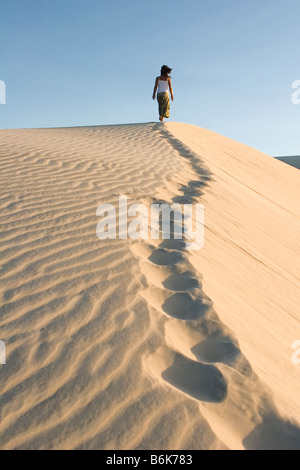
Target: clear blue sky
94, 62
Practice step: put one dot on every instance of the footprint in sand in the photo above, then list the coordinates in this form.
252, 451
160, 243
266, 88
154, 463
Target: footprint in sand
216, 349
182, 306
201, 381
164, 257
181, 282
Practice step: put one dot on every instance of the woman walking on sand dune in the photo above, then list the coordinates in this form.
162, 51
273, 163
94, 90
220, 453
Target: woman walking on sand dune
162, 87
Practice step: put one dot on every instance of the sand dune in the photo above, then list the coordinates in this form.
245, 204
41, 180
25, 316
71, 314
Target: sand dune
142, 344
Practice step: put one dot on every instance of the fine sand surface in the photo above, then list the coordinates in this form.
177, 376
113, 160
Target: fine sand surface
142, 344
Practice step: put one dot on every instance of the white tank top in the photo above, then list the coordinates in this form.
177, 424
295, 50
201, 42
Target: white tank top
163, 86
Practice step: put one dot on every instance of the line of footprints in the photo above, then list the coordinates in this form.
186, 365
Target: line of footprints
195, 339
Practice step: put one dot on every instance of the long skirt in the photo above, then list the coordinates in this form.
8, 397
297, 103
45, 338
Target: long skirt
163, 100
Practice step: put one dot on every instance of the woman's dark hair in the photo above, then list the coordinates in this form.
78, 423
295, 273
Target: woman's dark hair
165, 70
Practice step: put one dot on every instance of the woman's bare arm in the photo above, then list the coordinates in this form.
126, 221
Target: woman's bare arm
171, 90
155, 88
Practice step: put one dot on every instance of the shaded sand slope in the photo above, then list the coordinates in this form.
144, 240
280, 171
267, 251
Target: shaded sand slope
123, 344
